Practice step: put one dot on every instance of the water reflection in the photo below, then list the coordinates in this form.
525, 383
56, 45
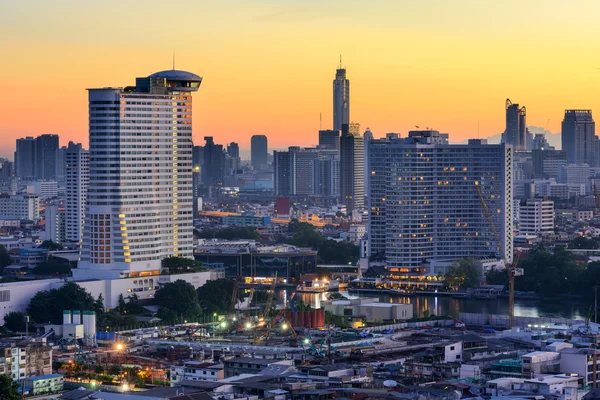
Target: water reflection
444, 305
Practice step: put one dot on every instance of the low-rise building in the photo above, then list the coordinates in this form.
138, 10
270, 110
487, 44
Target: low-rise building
536, 217
563, 387
247, 219
579, 361
251, 365
337, 375
44, 384
24, 359
540, 363
370, 309
197, 371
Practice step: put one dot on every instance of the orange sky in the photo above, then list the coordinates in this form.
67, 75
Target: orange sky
268, 65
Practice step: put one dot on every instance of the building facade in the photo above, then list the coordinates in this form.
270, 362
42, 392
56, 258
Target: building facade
425, 201
139, 199
536, 217
55, 219
578, 137
77, 174
22, 206
352, 182
329, 139
259, 152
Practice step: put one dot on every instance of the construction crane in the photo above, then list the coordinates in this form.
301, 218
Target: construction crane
234, 294
511, 269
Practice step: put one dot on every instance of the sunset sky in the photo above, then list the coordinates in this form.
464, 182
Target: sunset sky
268, 65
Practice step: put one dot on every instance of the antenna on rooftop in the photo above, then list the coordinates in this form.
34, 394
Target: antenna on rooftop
340, 61
173, 60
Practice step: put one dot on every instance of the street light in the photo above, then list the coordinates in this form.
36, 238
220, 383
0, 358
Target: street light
223, 324
284, 326
119, 346
248, 325
306, 341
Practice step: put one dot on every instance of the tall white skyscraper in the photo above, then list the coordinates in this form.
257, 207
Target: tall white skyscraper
139, 199
424, 204
77, 172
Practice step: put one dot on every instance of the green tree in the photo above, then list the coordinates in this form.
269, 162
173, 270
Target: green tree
230, 233
50, 245
5, 260
497, 277
180, 264
15, 321
121, 305
215, 296
48, 305
8, 389
462, 273
133, 304
53, 266
180, 297
584, 243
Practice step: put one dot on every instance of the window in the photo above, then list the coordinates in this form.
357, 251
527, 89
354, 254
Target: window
451, 348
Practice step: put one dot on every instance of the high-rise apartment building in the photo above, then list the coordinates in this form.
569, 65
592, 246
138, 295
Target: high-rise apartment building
329, 139
77, 176
515, 133
352, 178
139, 199
536, 217
46, 149
307, 172
259, 152
24, 158
341, 99
213, 163
55, 224
578, 137
367, 137
424, 202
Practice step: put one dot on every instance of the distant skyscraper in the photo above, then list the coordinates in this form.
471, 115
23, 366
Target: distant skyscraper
258, 152
24, 158
424, 209
61, 156
352, 182
329, 139
367, 137
233, 150
46, 149
139, 199
77, 169
578, 137
341, 99
516, 126
282, 184
213, 166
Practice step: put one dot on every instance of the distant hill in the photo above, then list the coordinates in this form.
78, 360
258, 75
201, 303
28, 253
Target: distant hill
553, 138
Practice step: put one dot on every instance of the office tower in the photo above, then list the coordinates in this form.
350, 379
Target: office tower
329, 139
516, 126
213, 166
258, 152
424, 205
341, 99
139, 199
352, 182
44, 189
24, 157
46, 149
547, 162
367, 136
233, 150
578, 133
77, 161
55, 224
282, 182
536, 217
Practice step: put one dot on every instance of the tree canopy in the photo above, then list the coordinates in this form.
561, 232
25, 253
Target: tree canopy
177, 300
178, 265
215, 296
50, 245
9, 390
5, 260
48, 305
15, 321
462, 273
584, 243
328, 251
53, 266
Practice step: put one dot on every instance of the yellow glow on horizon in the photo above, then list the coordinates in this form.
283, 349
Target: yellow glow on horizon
268, 66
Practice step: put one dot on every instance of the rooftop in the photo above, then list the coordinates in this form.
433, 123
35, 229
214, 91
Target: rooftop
176, 75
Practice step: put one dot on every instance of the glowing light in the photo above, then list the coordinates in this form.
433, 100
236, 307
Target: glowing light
119, 346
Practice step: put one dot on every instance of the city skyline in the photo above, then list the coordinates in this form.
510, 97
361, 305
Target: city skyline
428, 62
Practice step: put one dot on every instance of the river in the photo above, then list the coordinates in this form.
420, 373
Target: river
446, 305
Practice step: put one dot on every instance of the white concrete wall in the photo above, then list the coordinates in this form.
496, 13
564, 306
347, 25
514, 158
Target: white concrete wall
20, 293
